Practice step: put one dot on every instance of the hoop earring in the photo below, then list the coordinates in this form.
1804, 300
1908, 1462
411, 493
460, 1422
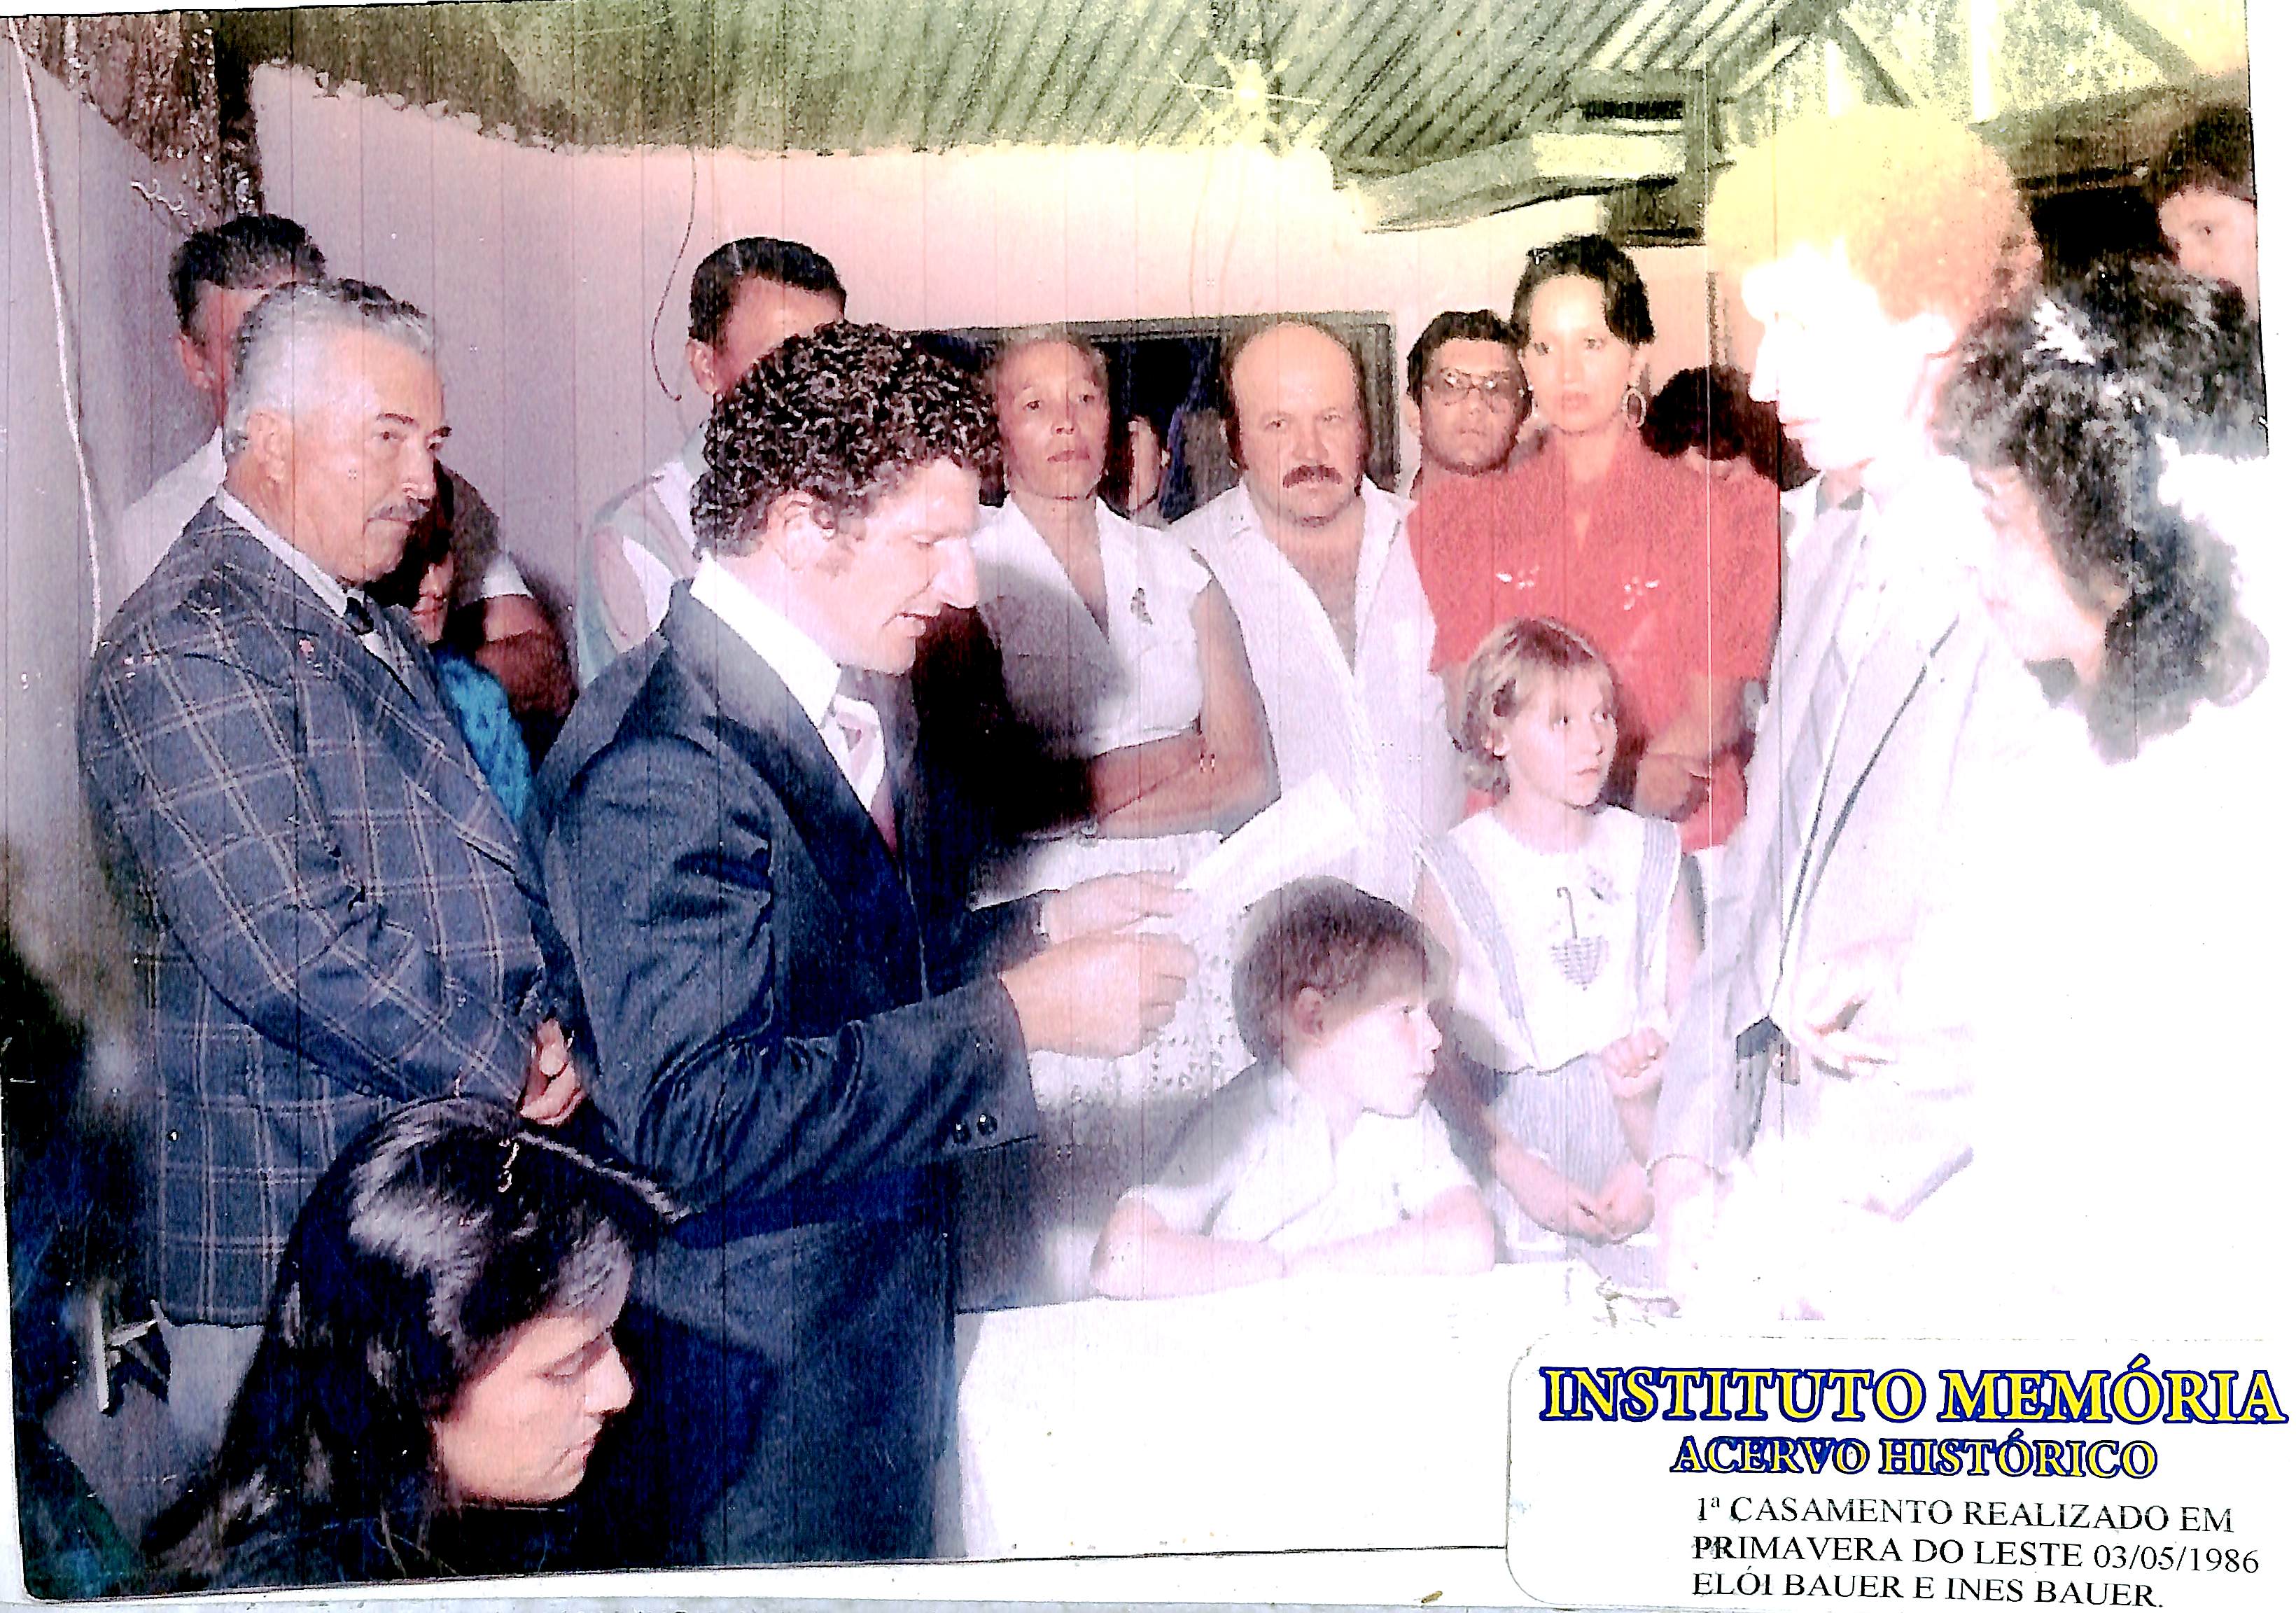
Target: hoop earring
1636, 407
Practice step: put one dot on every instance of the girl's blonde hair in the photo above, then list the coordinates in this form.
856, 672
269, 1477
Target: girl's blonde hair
1519, 661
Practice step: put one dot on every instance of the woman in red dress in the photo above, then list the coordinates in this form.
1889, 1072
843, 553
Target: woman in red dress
1671, 573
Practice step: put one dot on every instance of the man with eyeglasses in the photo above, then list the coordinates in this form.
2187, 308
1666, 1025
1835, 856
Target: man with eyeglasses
1465, 397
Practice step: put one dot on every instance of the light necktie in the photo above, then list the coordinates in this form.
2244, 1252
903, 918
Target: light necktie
861, 757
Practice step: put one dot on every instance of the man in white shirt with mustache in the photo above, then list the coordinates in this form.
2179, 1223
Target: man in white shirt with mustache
1313, 558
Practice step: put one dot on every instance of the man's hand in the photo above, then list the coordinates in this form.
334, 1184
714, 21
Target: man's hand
1111, 903
1826, 1004
553, 1087
1671, 786
1101, 995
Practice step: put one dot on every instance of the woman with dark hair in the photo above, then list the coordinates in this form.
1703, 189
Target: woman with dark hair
437, 1365
1671, 574
2074, 411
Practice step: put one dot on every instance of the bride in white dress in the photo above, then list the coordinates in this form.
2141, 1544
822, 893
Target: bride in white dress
2128, 1171
1120, 655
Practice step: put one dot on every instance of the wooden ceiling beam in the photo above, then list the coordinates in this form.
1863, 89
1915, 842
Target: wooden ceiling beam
1547, 163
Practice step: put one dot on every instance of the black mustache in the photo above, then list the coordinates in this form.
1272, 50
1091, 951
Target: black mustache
1298, 473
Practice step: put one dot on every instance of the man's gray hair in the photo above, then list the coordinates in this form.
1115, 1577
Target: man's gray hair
264, 368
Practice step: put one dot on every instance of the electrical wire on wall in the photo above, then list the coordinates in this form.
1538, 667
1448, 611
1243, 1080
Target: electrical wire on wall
63, 337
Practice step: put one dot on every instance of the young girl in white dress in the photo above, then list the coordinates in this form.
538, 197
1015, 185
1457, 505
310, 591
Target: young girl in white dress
1573, 939
1121, 654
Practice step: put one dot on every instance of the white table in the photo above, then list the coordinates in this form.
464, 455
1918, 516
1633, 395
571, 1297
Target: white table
1306, 1414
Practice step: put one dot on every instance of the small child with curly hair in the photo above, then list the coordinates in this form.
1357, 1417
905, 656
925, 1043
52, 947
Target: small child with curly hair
1325, 1154
1573, 938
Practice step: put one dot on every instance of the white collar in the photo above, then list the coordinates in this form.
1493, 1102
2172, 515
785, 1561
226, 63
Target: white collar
810, 672
329, 590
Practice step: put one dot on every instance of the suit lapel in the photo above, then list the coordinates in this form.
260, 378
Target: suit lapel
837, 830
412, 723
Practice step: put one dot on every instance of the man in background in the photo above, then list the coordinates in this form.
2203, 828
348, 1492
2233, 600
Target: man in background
216, 276
1464, 396
1335, 624
2204, 185
749, 297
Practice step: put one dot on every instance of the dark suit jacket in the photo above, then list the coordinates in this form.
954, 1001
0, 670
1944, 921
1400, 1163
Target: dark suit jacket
795, 1033
336, 917
789, 1028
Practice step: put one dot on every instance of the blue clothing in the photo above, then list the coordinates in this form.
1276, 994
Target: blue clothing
482, 712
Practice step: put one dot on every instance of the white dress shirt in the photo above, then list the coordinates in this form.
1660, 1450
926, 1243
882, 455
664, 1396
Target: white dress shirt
1376, 727
809, 672
329, 589
154, 522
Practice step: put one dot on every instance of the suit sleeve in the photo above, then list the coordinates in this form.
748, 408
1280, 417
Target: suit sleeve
192, 757
661, 864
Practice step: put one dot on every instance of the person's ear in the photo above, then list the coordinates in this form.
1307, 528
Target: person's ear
1310, 1012
1411, 415
194, 361
270, 446
702, 358
799, 529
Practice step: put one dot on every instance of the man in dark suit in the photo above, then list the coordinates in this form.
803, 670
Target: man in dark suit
799, 1024
335, 916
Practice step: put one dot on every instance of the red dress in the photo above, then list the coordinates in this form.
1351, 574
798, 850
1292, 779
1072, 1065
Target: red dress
1677, 576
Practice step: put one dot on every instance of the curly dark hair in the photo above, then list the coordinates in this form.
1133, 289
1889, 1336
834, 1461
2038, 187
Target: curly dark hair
1326, 935
2074, 388
841, 414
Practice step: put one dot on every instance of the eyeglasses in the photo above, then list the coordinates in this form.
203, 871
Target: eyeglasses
1455, 386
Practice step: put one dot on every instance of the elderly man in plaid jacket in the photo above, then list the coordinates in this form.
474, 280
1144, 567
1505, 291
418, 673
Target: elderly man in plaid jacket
336, 917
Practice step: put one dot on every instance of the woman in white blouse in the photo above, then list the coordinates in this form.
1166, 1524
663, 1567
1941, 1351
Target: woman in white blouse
1120, 653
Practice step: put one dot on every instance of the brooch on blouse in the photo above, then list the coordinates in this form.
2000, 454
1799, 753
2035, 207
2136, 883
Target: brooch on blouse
1140, 607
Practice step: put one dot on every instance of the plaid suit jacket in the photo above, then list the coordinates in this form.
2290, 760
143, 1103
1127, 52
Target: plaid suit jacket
333, 915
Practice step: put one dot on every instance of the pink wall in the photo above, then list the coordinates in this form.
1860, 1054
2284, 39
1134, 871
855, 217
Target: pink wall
137, 417
546, 269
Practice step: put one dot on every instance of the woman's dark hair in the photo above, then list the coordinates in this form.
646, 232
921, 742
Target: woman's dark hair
1626, 301
1322, 934
438, 1233
2075, 389
1712, 409
844, 415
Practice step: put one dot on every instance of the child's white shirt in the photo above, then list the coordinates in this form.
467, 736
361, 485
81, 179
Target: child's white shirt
1256, 1163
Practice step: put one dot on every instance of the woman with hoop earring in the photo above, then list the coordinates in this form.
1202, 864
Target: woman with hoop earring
1673, 576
